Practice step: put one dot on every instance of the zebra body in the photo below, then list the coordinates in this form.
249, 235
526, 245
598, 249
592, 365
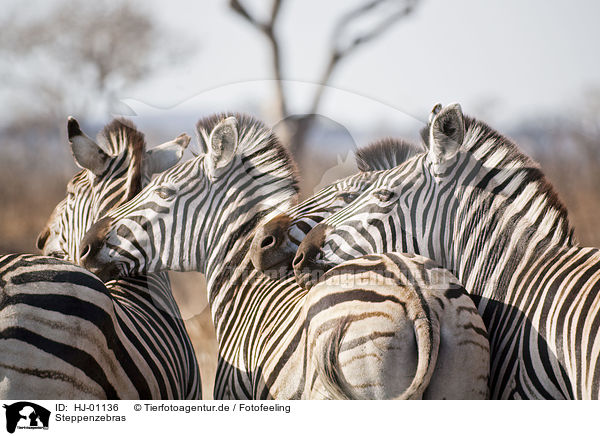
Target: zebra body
201, 215
65, 334
430, 312
480, 208
464, 360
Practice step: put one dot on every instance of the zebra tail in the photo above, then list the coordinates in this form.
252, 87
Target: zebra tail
329, 368
427, 334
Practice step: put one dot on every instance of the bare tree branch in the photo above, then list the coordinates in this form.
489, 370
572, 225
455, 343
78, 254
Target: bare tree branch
342, 46
339, 53
275, 11
268, 29
237, 7
405, 8
97, 48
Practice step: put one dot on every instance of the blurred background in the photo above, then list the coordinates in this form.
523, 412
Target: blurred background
329, 76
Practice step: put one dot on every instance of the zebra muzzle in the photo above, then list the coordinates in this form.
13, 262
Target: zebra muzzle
91, 249
308, 264
271, 248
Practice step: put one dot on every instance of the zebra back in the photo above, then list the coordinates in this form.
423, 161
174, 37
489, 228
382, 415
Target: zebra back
430, 313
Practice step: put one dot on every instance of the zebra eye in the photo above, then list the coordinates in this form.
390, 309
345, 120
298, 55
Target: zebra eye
383, 195
165, 192
348, 197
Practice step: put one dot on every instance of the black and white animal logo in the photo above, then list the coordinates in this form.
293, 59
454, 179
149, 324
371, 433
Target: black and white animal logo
26, 415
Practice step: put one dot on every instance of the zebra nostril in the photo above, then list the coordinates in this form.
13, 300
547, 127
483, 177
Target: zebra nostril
93, 241
84, 252
267, 242
298, 260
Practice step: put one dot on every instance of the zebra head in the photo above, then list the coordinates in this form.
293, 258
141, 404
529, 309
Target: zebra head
276, 242
196, 212
471, 183
110, 175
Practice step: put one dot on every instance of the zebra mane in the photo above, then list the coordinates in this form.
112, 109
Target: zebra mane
121, 135
257, 144
500, 152
384, 154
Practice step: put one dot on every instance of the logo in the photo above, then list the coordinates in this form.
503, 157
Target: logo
26, 415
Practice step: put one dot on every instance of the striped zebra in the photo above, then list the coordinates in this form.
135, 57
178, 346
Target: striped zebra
437, 315
479, 207
275, 242
275, 339
63, 333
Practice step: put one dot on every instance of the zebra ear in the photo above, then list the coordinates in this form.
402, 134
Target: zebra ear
42, 238
164, 156
223, 143
88, 155
446, 133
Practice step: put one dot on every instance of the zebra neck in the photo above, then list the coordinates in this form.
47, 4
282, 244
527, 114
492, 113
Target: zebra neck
153, 290
492, 238
239, 295
227, 233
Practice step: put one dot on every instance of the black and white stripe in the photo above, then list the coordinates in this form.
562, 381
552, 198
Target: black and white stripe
201, 215
480, 208
437, 318
63, 333
276, 241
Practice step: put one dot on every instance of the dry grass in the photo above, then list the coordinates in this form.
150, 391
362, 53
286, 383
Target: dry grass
190, 292
27, 204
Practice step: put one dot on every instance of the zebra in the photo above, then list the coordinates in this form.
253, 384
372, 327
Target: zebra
475, 204
275, 242
201, 215
110, 175
65, 334
438, 312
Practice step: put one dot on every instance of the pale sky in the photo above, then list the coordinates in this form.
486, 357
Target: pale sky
501, 59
